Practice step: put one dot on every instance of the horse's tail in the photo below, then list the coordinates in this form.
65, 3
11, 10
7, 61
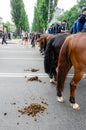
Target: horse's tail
45, 43
48, 56
64, 65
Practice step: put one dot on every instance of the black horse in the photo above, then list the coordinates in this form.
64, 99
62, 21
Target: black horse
52, 54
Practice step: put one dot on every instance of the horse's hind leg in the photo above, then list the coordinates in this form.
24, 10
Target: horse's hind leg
73, 85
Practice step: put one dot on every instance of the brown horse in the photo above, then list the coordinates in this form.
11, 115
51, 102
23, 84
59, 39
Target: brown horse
72, 53
43, 40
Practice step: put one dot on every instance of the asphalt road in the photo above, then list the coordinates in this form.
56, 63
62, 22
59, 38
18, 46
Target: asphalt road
16, 93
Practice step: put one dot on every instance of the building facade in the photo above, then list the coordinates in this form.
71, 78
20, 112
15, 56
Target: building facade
2, 26
57, 13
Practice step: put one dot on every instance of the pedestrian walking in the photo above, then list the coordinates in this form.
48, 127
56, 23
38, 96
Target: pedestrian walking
33, 40
26, 39
4, 38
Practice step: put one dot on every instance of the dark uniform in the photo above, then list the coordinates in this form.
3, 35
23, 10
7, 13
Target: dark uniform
63, 27
80, 24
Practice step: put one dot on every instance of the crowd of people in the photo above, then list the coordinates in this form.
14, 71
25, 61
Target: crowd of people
25, 36
29, 37
58, 28
78, 25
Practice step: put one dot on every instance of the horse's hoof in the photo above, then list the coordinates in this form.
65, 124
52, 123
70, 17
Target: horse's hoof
75, 106
54, 82
51, 80
60, 99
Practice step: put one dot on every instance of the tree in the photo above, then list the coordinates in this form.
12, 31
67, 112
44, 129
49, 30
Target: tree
72, 14
35, 24
81, 4
42, 13
55, 3
8, 25
19, 16
23, 22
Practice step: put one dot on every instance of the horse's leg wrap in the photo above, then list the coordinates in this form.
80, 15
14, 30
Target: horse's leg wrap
59, 97
73, 104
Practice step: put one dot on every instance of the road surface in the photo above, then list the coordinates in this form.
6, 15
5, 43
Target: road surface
16, 62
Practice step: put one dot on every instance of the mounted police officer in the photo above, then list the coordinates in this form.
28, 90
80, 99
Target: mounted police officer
80, 24
63, 27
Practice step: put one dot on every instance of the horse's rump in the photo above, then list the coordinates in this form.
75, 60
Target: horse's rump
77, 50
72, 52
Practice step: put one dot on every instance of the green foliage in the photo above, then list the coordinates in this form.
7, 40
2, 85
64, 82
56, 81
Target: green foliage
19, 15
73, 13
42, 14
24, 21
8, 25
55, 3
82, 3
70, 16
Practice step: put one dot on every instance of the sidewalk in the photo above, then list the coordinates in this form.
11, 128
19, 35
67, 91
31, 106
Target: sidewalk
12, 41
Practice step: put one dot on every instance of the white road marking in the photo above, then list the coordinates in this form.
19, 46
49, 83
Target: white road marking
23, 74
21, 58
18, 51
31, 74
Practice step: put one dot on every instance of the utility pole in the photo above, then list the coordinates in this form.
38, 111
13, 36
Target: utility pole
49, 13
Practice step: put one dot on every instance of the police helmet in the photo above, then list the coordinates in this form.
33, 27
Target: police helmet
83, 9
